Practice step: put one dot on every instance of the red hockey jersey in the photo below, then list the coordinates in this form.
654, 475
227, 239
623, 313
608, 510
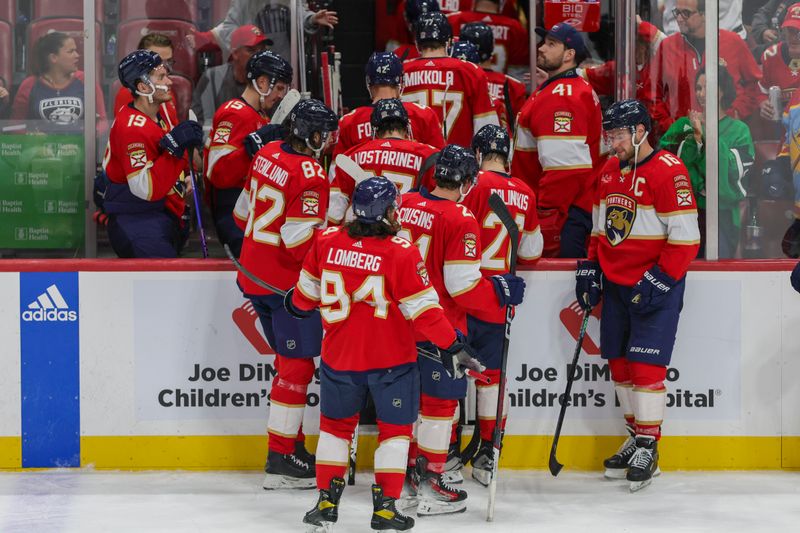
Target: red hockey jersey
456, 90
510, 38
284, 200
168, 110
133, 155
448, 237
396, 159
643, 220
374, 296
225, 159
355, 127
516, 91
558, 142
779, 70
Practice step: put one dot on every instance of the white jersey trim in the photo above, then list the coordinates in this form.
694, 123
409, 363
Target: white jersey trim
461, 277
563, 153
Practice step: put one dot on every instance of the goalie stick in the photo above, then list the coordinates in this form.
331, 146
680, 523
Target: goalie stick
285, 107
499, 207
555, 466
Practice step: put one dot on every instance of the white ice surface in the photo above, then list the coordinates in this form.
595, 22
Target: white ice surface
87, 501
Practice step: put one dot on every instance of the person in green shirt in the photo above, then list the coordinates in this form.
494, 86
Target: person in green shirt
686, 139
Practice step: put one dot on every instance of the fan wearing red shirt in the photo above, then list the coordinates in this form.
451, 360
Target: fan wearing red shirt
283, 202
375, 295
457, 90
390, 154
384, 72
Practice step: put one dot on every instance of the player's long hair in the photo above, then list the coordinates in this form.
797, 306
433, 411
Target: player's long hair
356, 228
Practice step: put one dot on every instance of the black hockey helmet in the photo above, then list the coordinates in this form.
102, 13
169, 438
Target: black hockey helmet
465, 51
626, 114
384, 68
386, 110
372, 198
271, 65
482, 36
136, 67
492, 139
309, 117
432, 27
456, 164
415, 8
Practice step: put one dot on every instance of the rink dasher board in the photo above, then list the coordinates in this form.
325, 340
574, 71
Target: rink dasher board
151, 341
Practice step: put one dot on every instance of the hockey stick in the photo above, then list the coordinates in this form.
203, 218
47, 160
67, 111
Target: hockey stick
249, 275
444, 110
555, 466
426, 166
351, 464
474, 440
285, 107
509, 107
499, 207
352, 168
195, 196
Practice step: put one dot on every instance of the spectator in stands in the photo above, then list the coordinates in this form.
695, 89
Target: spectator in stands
54, 96
767, 21
220, 84
272, 17
5, 98
730, 17
681, 55
781, 64
162, 45
686, 139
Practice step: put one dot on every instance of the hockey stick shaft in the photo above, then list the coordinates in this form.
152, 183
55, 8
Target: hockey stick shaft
351, 464
554, 465
477, 376
509, 107
499, 207
196, 198
252, 277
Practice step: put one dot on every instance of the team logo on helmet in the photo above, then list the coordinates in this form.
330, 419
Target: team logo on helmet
620, 214
422, 272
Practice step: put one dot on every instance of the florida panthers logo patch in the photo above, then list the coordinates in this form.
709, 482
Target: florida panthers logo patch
620, 214
138, 158
310, 203
422, 272
471, 245
222, 135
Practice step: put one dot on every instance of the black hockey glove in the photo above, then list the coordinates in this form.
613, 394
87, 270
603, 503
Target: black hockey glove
796, 277
291, 309
460, 356
263, 135
588, 284
650, 293
185, 135
510, 289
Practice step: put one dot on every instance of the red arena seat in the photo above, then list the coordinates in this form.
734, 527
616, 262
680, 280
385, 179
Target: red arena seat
64, 8
181, 33
182, 87
6, 54
7, 11
158, 9
72, 27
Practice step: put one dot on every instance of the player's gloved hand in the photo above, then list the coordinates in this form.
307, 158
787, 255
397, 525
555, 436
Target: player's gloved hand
651, 291
796, 277
460, 356
791, 240
510, 289
588, 284
292, 309
185, 135
263, 135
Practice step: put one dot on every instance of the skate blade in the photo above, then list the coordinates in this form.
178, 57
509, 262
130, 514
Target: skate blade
636, 486
436, 507
453, 477
275, 482
325, 527
616, 473
483, 477
407, 502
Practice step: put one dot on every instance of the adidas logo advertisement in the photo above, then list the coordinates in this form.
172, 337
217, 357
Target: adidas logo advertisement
49, 306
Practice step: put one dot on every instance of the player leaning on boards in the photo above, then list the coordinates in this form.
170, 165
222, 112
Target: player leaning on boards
448, 236
284, 200
373, 293
144, 165
644, 235
240, 128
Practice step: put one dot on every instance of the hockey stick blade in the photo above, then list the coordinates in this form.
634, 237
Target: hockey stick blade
426, 166
285, 107
249, 275
352, 168
555, 466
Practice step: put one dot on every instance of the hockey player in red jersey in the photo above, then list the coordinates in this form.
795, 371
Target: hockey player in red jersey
411, 12
645, 234
511, 52
390, 154
375, 295
558, 142
458, 91
481, 35
240, 128
492, 147
144, 165
283, 202
448, 236
384, 72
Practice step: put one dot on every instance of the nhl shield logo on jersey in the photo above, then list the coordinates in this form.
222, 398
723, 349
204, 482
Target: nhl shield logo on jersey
310, 203
471, 245
620, 214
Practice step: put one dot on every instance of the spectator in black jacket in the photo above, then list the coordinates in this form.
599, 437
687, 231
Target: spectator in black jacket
766, 27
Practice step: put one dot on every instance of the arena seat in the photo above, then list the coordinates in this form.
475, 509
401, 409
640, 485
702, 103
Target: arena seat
6, 54
158, 9
72, 27
7, 11
182, 87
64, 9
181, 33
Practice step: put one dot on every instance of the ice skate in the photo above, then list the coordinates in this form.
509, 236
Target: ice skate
325, 513
452, 468
483, 463
287, 471
643, 464
617, 465
304, 455
409, 499
385, 516
435, 495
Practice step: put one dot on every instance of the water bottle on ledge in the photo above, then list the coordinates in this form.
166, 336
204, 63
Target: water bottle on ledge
753, 232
